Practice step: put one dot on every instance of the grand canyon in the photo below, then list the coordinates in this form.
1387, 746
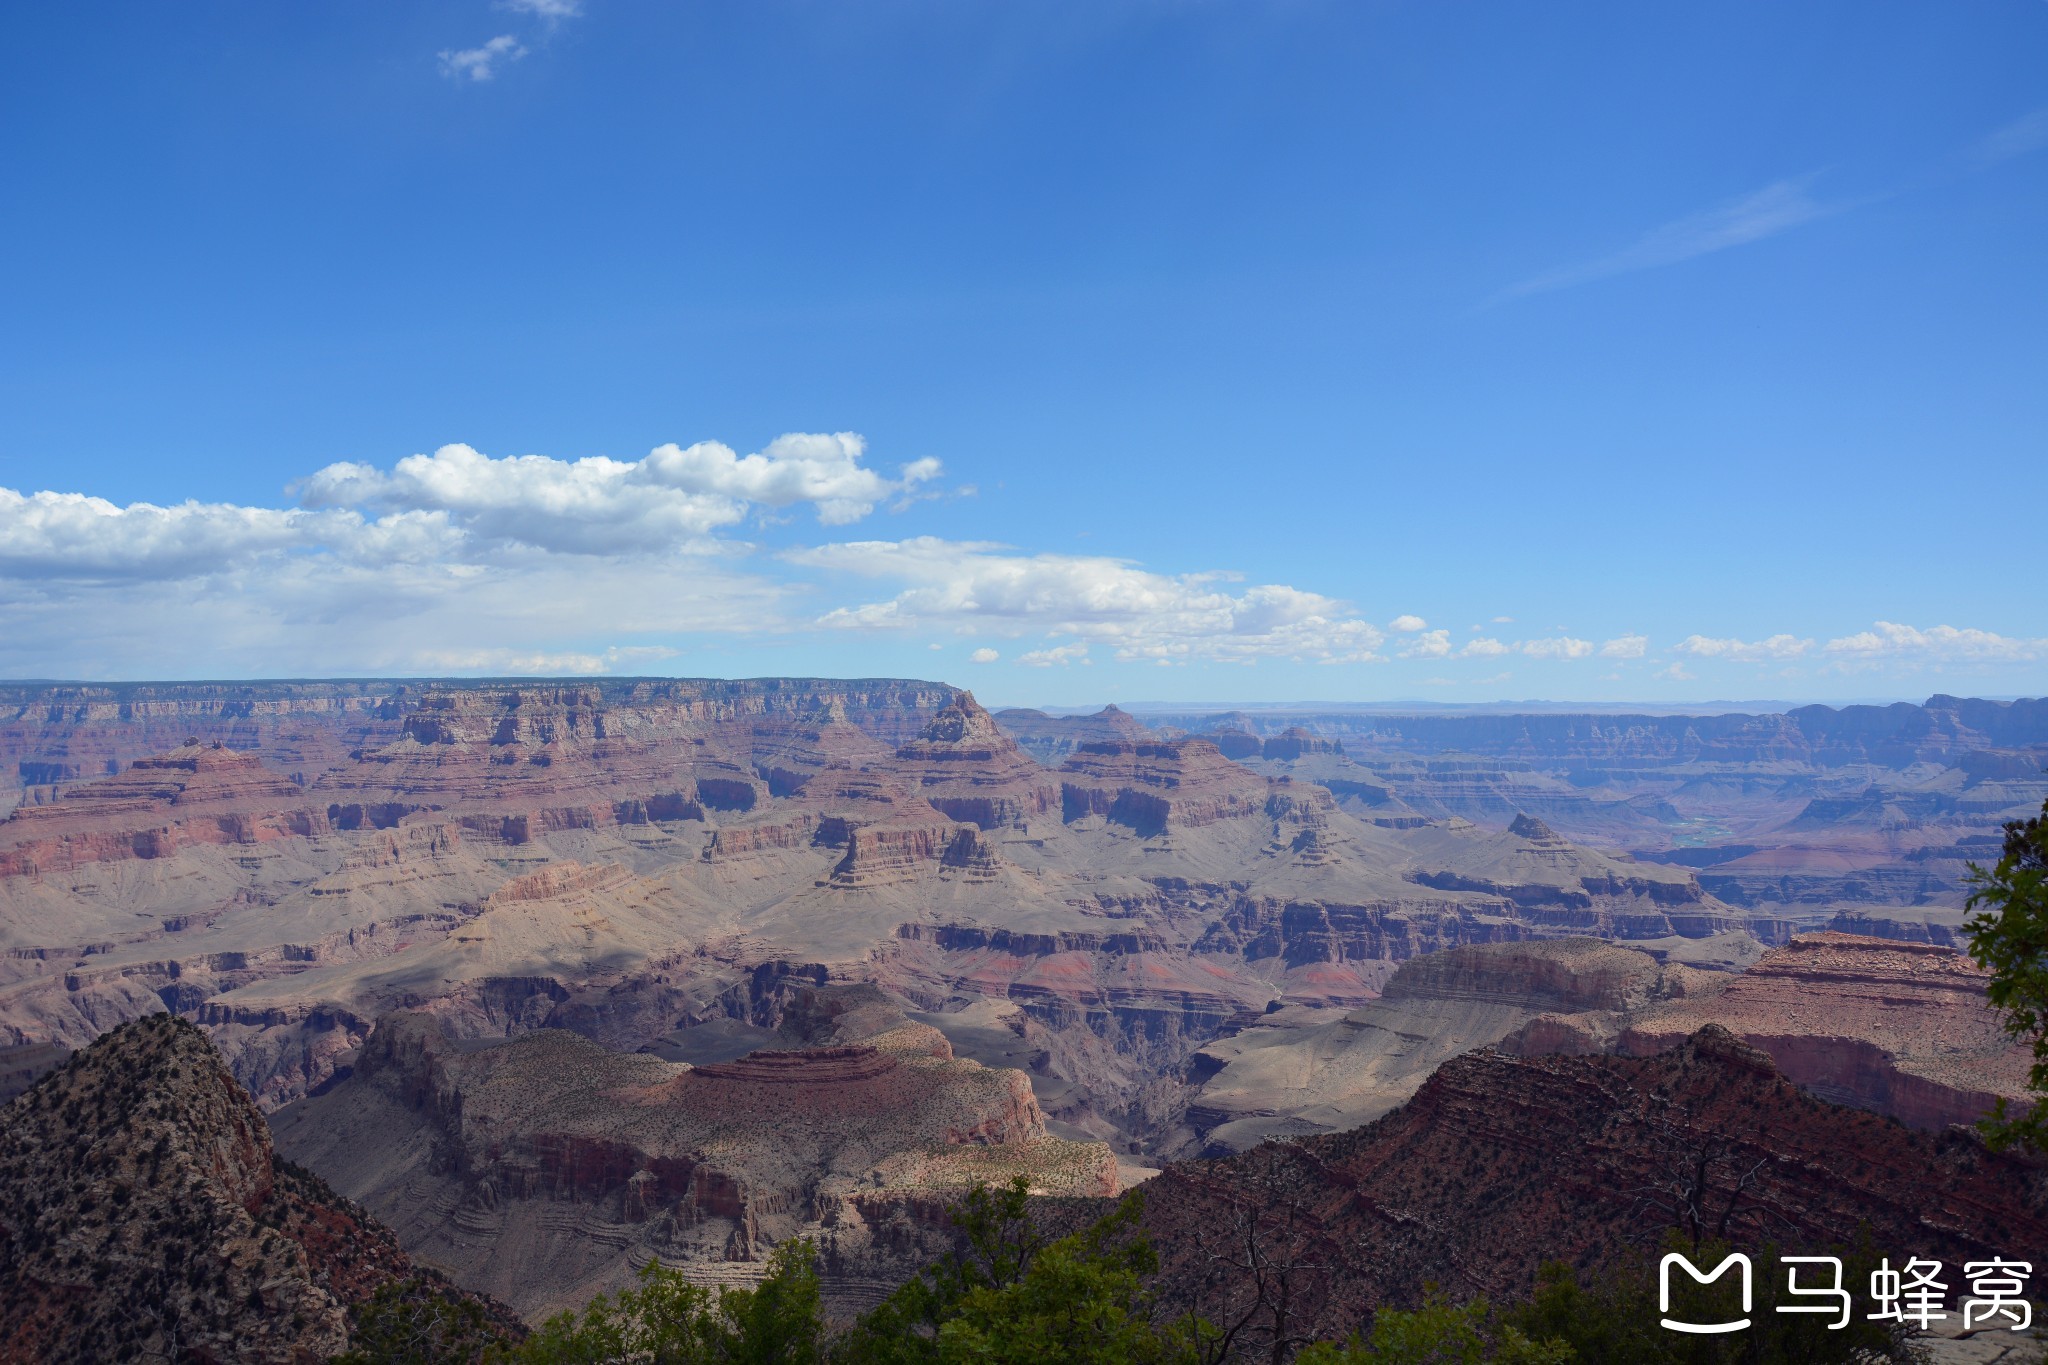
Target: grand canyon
556, 979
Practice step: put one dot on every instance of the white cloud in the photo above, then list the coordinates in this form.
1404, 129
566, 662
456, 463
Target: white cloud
1431, 644
324, 615
1676, 673
1563, 647
1938, 644
984, 655
599, 505
552, 11
481, 63
1625, 647
514, 663
71, 534
1408, 625
1744, 651
1484, 648
1503, 620
2027, 133
1062, 655
1776, 208
1139, 614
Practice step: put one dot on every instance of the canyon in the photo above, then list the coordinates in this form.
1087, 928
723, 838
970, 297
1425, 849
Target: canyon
490, 955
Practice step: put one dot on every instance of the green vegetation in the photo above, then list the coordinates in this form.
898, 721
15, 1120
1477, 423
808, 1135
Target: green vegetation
668, 1321
2011, 939
413, 1322
1010, 1294
1615, 1319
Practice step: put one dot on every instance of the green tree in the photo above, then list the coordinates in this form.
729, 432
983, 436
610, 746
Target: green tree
666, 1320
1440, 1333
1009, 1293
2010, 938
1616, 1319
777, 1322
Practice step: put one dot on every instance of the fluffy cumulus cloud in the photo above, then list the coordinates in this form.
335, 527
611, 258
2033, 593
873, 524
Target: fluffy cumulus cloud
1484, 647
599, 505
1408, 625
1625, 647
70, 534
449, 562
1429, 644
984, 655
1136, 613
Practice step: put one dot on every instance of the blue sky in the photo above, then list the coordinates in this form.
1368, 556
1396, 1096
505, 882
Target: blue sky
1070, 351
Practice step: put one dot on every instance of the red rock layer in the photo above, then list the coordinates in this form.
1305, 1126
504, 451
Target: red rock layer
192, 795
970, 770
1152, 784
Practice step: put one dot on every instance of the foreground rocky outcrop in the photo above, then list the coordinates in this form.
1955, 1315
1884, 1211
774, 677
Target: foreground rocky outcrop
1500, 1163
144, 1214
546, 1169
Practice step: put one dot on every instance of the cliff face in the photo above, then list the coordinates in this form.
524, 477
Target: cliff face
1904, 1029
1501, 1163
194, 794
542, 1160
966, 766
1150, 784
143, 1212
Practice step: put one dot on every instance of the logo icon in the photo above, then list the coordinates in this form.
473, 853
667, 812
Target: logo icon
1735, 1258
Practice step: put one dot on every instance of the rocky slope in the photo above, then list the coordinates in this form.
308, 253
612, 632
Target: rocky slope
1901, 1029
1500, 1163
545, 1169
144, 1214
1904, 1029
1303, 1070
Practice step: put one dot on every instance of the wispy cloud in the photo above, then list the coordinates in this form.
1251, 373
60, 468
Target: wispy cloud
1744, 651
552, 11
1889, 641
481, 63
2027, 133
976, 587
1777, 207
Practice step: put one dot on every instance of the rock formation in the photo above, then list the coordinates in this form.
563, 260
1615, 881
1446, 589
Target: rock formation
1901, 1028
1500, 1163
532, 1168
1301, 1070
143, 1214
668, 864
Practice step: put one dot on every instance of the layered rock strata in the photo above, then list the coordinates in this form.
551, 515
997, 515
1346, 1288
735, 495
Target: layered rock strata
544, 1168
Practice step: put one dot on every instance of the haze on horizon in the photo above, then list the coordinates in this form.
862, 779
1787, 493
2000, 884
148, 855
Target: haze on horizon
1070, 353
